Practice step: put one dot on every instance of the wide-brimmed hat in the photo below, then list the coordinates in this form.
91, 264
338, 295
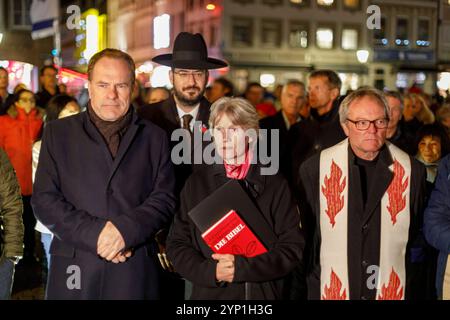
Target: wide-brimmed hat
189, 52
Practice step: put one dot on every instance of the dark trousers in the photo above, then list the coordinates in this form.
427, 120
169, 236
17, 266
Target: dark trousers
29, 222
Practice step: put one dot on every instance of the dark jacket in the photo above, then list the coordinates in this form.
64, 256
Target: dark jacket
43, 97
276, 122
5, 104
191, 257
405, 136
79, 187
11, 226
437, 221
313, 135
364, 231
165, 115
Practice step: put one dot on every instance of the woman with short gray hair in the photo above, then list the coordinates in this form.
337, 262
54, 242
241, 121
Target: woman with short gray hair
233, 274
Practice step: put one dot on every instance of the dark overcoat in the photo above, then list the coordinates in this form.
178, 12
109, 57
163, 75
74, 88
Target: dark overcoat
265, 274
165, 115
79, 187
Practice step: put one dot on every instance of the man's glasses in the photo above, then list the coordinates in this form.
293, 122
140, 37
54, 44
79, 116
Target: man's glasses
185, 74
365, 124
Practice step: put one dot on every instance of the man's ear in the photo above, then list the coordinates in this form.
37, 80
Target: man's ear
171, 76
345, 128
335, 93
89, 84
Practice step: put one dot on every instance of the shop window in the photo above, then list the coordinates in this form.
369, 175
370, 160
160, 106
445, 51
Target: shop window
324, 37
349, 39
379, 35
423, 33
271, 33
242, 32
402, 33
298, 35
20, 13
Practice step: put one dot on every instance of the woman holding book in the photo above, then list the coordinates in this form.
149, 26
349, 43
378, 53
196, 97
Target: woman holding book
234, 123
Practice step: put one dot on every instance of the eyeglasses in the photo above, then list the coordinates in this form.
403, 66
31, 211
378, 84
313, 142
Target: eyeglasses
185, 74
28, 100
365, 124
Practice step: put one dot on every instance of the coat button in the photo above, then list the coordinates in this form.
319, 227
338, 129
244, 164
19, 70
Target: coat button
365, 226
365, 263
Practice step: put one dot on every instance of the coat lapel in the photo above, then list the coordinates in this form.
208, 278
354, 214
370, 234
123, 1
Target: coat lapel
380, 183
97, 138
280, 123
203, 112
169, 109
125, 144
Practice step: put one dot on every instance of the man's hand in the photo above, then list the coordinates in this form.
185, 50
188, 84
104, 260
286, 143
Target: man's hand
225, 267
110, 242
122, 257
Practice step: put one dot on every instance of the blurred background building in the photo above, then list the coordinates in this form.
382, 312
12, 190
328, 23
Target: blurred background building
268, 41
19, 54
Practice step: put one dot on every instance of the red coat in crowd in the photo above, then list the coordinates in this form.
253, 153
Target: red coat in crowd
18, 132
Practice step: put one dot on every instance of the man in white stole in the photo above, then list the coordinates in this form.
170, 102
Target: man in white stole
365, 199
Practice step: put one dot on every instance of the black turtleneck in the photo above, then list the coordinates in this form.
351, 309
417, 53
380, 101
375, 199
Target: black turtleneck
366, 174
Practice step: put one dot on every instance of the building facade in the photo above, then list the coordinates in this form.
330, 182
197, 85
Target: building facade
405, 48
271, 41
19, 53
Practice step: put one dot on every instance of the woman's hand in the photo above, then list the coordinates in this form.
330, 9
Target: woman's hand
225, 267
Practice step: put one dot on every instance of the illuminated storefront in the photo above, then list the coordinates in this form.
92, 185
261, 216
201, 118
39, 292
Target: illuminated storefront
21, 72
90, 38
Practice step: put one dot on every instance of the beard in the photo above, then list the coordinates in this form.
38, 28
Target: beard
186, 99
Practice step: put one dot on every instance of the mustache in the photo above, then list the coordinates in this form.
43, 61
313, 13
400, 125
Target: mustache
192, 87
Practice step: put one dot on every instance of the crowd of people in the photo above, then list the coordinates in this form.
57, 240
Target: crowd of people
358, 209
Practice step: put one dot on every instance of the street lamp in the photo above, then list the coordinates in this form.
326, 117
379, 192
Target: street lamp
362, 55
1, 37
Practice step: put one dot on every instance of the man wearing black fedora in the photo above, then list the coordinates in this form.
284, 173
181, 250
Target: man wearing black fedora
186, 108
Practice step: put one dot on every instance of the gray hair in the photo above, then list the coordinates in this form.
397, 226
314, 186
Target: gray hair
296, 83
239, 110
395, 95
364, 92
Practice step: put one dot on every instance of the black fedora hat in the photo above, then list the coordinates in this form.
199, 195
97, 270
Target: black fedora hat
189, 52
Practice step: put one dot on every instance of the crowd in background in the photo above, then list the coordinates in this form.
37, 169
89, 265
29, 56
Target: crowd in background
305, 114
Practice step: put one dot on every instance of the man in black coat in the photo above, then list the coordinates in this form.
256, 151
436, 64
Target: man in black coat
363, 202
293, 100
104, 186
398, 132
186, 108
49, 86
185, 112
322, 129
6, 99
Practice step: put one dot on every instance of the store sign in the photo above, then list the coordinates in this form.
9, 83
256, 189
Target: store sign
398, 55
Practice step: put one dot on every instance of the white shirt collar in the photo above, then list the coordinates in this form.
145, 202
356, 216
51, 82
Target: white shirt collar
193, 113
286, 121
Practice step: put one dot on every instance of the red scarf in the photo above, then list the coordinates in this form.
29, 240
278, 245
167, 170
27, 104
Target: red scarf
239, 171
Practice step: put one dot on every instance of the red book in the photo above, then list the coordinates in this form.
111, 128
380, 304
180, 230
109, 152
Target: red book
231, 235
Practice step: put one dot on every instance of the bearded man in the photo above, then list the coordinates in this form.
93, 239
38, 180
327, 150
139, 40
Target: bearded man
188, 109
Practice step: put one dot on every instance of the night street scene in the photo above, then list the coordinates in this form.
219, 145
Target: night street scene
264, 150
